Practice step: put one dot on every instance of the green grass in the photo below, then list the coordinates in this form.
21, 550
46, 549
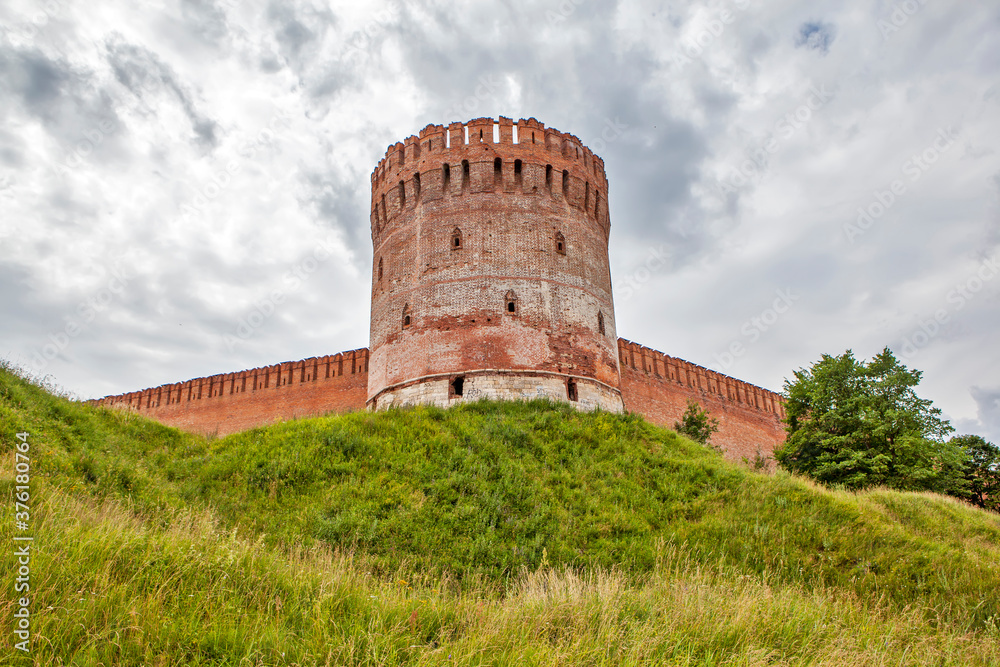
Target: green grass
491, 533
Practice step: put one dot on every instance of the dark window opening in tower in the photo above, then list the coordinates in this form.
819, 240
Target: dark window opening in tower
465, 175
571, 389
518, 179
416, 187
532, 137
430, 145
457, 385
385, 218
565, 184
560, 243
600, 323
456, 238
586, 197
480, 136
445, 177
548, 177
597, 203
406, 316
511, 300
498, 171
402, 195
380, 268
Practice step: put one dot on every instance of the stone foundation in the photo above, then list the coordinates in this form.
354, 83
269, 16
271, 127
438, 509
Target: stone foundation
475, 385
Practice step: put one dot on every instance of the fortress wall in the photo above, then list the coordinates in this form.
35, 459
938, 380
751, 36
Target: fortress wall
653, 384
658, 386
233, 402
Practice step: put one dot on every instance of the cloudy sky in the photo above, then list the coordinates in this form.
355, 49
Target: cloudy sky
788, 178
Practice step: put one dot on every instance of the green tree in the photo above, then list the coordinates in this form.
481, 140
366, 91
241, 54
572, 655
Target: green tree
860, 424
982, 470
696, 423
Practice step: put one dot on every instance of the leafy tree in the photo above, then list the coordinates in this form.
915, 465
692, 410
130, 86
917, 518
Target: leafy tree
696, 423
860, 424
982, 470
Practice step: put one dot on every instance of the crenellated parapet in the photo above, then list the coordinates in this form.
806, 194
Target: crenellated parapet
658, 365
311, 371
485, 156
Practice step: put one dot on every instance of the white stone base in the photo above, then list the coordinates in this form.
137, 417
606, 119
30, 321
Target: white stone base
437, 390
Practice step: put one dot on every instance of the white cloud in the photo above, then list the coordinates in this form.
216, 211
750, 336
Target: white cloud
207, 201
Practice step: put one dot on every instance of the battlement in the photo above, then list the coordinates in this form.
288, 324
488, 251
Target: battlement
486, 157
526, 136
288, 374
666, 368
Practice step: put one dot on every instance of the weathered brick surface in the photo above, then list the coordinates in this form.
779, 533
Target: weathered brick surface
233, 402
530, 217
462, 226
659, 386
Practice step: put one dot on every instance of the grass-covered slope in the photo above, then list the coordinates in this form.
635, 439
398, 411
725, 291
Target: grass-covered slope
453, 530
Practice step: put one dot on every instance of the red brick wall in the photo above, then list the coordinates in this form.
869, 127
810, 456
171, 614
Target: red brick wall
658, 386
234, 402
511, 221
653, 384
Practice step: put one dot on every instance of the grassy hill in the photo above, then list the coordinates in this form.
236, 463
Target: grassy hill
491, 533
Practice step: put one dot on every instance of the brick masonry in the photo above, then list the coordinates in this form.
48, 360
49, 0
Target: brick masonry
490, 266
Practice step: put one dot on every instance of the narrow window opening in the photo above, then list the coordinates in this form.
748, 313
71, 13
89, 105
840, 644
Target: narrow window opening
480, 136
600, 323
445, 177
518, 178
402, 195
565, 184
597, 203
498, 171
385, 218
465, 175
416, 187
511, 300
406, 316
586, 197
456, 238
380, 268
430, 145
458, 385
560, 243
532, 137
571, 389
548, 177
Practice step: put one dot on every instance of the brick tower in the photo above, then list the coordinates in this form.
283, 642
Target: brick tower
490, 274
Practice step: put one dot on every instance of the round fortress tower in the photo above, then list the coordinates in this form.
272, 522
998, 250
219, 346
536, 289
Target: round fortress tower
490, 274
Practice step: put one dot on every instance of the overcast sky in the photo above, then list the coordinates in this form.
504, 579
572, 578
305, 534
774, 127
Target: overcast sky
787, 179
